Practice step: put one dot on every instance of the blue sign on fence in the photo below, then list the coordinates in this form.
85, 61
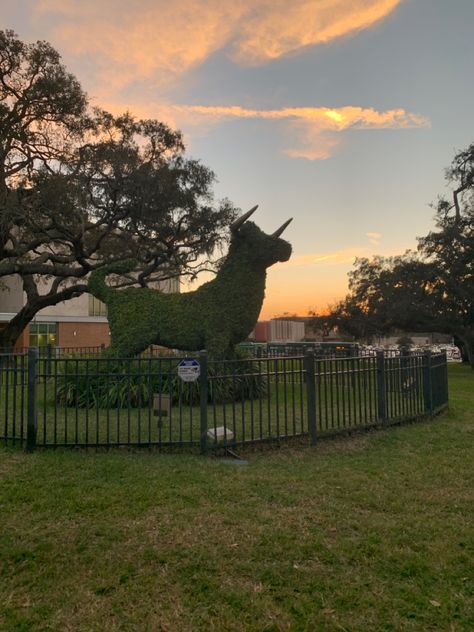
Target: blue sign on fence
189, 370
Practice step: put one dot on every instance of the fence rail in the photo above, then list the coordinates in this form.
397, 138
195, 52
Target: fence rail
51, 351
96, 401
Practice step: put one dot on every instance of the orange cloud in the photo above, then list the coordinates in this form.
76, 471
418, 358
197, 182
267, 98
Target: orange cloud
163, 40
137, 50
335, 119
152, 40
313, 130
281, 27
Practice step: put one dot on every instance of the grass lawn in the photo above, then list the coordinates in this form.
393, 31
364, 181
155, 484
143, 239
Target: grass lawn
374, 532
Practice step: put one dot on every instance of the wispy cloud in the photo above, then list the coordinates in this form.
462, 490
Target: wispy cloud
310, 142
335, 257
155, 41
278, 27
374, 238
163, 40
335, 119
343, 256
136, 53
314, 130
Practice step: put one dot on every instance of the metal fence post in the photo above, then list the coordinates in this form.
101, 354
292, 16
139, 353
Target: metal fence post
310, 394
404, 365
32, 420
381, 397
203, 384
445, 373
427, 383
352, 364
49, 355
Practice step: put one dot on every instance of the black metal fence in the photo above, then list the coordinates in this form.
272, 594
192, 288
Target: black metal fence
320, 349
104, 402
51, 351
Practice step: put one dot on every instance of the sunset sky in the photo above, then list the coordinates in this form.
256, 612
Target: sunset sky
342, 114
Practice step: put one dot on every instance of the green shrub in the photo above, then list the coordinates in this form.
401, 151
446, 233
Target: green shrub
132, 383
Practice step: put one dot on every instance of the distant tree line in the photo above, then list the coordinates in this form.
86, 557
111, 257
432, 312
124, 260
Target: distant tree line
431, 289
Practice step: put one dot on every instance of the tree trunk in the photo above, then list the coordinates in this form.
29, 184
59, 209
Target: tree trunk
470, 352
467, 339
10, 334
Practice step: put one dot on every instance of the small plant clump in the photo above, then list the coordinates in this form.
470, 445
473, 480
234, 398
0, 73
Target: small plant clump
405, 342
132, 383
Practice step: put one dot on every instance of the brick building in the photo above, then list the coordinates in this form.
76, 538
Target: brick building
278, 330
79, 322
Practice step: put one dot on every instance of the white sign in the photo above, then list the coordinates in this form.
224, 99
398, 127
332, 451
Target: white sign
189, 370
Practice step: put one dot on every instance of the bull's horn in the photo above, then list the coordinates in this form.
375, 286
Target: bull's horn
243, 218
279, 231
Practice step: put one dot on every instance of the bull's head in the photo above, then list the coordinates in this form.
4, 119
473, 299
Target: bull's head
259, 247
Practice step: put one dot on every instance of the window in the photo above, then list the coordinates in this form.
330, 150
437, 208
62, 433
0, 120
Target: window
96, 307
42, 334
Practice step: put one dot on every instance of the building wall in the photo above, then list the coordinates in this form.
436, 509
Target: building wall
75, 324
260, 331
277, 330
12, 299
75, 307
83, 334
22, 340
286, 330
11, 295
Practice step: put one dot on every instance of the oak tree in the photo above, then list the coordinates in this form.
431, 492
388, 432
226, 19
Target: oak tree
431, 289
81, 188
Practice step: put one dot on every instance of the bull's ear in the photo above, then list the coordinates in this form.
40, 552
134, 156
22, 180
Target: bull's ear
243, 218
279, 231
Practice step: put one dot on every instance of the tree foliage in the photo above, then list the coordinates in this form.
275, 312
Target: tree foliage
431, 289
81, 188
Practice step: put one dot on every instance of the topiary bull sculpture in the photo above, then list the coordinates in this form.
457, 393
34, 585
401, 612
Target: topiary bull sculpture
216, 316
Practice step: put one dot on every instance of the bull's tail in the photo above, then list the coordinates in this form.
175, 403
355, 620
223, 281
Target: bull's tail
96, 283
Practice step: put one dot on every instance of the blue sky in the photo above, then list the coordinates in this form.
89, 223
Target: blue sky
340, 114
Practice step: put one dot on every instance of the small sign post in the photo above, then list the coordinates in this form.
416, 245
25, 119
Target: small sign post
189, 370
